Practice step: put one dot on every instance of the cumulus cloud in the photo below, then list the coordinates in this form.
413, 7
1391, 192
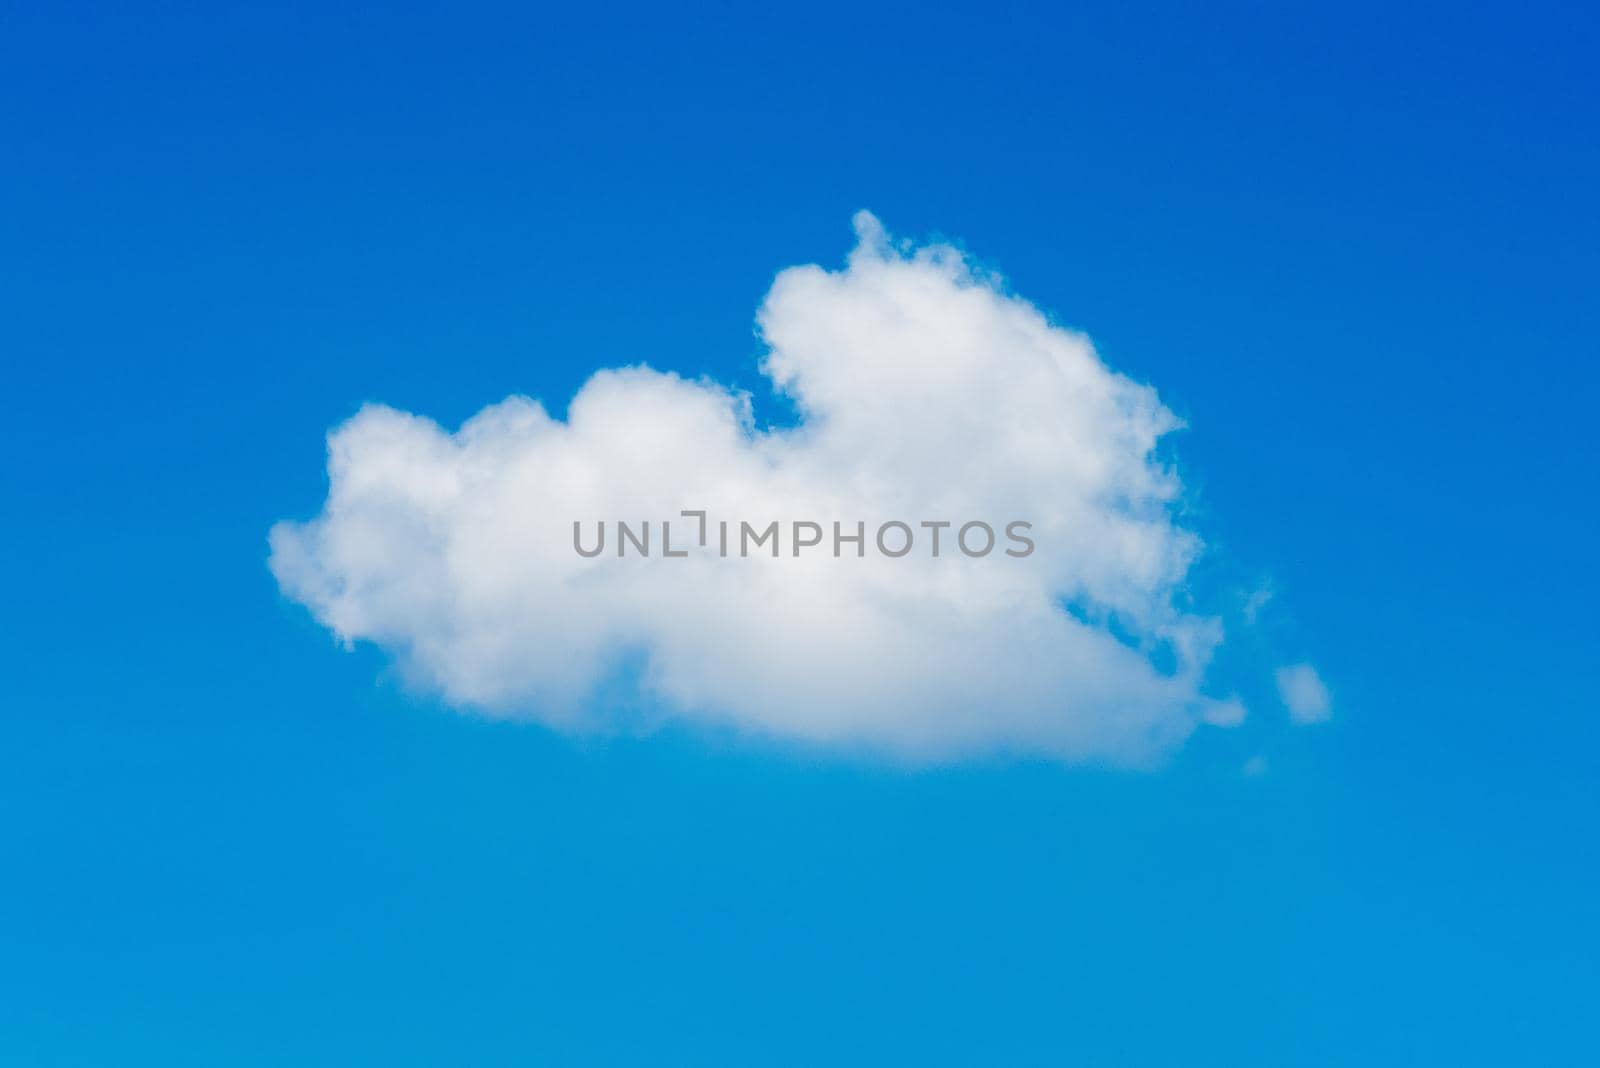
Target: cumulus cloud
1303, 693
925, 391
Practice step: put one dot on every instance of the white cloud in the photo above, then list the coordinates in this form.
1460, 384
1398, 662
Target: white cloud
1303, 693
1255, 603
925, 392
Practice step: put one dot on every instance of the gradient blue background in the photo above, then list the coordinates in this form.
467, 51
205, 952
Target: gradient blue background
1356, 248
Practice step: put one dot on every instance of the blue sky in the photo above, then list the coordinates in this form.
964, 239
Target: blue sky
1355, 250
